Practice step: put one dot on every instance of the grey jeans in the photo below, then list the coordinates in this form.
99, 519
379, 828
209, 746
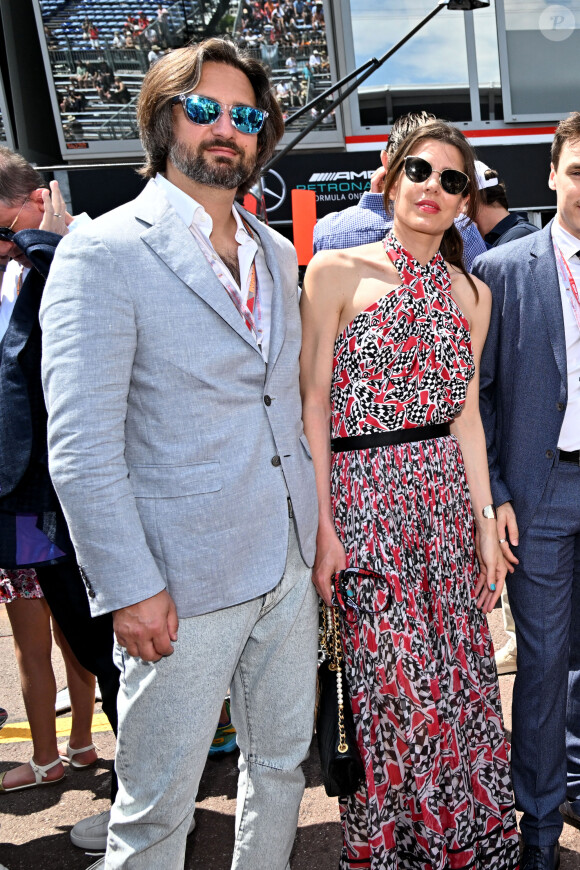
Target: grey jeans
265, 649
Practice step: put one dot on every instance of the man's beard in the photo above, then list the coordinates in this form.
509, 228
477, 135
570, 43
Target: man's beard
221, 172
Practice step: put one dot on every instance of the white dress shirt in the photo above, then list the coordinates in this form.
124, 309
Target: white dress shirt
195, 217
570, 432
13, 276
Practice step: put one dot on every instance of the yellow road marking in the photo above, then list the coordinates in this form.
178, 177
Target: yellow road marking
18, 732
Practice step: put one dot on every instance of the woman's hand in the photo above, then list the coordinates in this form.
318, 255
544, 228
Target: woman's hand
492, 565
330, 558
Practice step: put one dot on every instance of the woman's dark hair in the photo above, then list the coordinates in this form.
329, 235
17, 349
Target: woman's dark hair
179, 72
452, 243
495, 193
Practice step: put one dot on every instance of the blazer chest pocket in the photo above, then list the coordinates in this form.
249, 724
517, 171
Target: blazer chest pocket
175, 481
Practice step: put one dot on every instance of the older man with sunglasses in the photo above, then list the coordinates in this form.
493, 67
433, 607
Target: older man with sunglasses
171, 347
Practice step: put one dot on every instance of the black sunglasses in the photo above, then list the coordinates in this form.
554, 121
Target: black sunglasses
354, 597
417, 169
205, 111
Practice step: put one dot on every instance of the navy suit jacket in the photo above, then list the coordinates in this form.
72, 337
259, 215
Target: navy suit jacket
25, 484
524, 388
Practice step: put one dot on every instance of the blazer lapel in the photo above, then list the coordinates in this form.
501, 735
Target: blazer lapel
278, 314
545, 277
166, 234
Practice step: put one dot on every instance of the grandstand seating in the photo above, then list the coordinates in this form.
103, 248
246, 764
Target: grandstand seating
187, 19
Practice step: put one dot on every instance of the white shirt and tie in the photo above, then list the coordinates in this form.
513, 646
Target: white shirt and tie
568, 244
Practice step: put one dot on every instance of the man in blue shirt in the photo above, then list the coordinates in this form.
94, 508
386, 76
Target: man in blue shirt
368, 221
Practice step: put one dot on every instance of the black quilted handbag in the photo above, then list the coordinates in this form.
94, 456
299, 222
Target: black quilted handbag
342, 768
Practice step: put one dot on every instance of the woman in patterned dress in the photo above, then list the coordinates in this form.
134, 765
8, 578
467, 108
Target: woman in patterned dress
393, 334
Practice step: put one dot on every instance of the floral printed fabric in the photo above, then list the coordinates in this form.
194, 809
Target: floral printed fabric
20, 583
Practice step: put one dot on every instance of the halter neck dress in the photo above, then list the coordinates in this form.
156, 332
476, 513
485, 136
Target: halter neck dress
421, 673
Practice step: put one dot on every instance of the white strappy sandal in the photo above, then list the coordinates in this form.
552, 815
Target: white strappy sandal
40, 773
70, 756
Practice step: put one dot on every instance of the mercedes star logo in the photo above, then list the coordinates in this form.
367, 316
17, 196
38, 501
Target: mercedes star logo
274, 188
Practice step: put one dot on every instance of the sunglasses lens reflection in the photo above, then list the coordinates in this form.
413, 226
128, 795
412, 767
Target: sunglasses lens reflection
204, 111
247, 119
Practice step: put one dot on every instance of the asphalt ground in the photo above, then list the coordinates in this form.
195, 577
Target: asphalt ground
34, 824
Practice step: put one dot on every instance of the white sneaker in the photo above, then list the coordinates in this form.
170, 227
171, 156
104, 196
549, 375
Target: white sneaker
506, 659
91, 833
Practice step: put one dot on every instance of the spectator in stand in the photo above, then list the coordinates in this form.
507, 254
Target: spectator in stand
154, 55
117, 41
120, 93
315, 60
131, 23
129, 41
282, 93
94, 36
163, 26
142, 21
291, 65
73, 129
85, 28
82, 75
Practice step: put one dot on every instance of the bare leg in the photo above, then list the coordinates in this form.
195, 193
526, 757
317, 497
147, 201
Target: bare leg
81, 686
30, 621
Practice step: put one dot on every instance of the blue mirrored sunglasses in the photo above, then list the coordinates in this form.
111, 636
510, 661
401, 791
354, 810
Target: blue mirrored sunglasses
205, 111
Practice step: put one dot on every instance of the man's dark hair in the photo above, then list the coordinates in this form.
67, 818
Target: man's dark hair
17, 177
495, 193
404, 125
567, 130
452, 243
179, 72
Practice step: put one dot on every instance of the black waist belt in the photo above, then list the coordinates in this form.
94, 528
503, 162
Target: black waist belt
387, 439
570, 456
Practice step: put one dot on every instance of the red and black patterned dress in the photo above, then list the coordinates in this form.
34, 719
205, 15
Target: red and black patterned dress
421, 674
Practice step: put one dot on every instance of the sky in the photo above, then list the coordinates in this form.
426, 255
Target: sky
435, 55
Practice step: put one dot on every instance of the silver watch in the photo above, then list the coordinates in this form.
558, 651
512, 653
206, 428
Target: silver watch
489, 512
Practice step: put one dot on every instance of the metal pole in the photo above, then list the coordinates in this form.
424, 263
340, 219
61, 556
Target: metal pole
373, 65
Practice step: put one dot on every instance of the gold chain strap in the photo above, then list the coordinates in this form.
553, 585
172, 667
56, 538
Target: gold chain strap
333, 648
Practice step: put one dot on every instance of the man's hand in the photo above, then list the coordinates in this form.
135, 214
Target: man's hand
146, 629
507, 533
56, 218
378, 180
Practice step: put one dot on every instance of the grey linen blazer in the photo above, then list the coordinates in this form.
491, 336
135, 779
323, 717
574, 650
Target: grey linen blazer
524, 386
173, 447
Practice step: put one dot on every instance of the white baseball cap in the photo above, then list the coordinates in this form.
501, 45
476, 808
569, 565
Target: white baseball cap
482, 181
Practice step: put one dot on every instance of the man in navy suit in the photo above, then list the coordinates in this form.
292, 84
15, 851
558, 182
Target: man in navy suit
530, 406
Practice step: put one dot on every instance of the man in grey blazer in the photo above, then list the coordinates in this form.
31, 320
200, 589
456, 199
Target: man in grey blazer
530, 406
170, 365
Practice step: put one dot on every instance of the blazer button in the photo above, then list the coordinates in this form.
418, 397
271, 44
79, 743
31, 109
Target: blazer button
267, 400
276, 461
560, 406
549, 454
91, 593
